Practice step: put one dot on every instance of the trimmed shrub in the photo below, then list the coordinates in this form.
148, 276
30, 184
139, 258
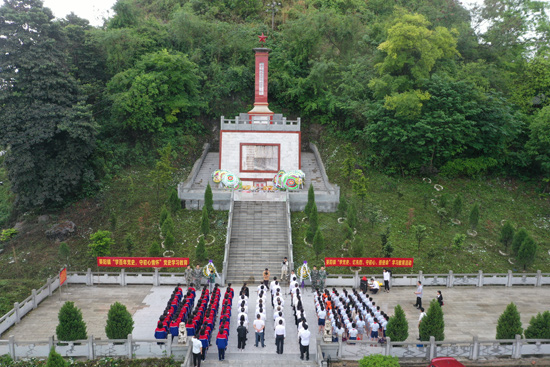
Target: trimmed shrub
310, 200
527, 252
539, 326
71, 325
342, 206
313, 223
174, 201
318, 242
169, 241
200, 251
154, 250
474, 216
64, 251
208, 200
119, 322
167, 225
433, 324
357, 248
507, 234
55, 359
205, 221
518, 239
509, 323
398, 327
163, 215
352, 216
456, 210
378, 360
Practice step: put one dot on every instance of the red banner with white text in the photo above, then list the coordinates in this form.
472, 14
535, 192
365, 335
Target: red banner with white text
143, 262
370, 262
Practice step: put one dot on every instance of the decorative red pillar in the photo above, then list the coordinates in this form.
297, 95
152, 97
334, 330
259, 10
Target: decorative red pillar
261, 112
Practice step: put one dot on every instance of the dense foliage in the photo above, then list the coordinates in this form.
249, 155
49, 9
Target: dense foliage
410, 81
433, 324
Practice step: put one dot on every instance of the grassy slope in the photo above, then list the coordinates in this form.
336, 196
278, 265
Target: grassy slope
134, 201
393, 198
137, 212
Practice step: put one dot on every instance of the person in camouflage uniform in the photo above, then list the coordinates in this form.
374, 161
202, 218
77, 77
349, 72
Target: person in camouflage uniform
197, 276
322, 278
188, 275
314, 278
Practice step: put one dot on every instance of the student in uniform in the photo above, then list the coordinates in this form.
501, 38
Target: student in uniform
241, 336
280, 335
197, 351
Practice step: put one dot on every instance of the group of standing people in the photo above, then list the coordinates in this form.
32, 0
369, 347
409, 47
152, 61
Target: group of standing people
318, 278
196, 276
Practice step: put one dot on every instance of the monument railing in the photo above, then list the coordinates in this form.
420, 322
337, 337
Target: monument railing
462, 349
228, 237
92, 348
277, 124
289, 235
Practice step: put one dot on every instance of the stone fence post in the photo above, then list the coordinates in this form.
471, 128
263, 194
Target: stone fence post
49, 284
91, 351
420, 276
432, 347
34, 301
130, 349
11, 347
17, 314
89, 278
516, 351
538, 283
156, 278
509, 279
474, 355
480, 278
450, 279
122, 277
387, 351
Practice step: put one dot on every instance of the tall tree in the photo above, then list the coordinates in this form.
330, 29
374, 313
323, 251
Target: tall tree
527, 252
507, 234
45, 123
209, 199
518, 239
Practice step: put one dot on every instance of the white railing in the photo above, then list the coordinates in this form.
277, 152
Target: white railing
289, 235
228, 237
96, 348
461, 349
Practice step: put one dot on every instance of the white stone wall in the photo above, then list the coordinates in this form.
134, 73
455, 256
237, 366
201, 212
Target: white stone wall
231, 147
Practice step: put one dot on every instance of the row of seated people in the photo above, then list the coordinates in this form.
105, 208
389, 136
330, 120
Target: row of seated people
176, 311
304, 333
351, 314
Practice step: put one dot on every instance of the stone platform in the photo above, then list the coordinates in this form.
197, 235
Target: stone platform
191, 192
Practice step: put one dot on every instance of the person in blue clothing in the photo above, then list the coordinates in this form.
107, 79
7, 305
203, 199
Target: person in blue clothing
160, 332
221, 342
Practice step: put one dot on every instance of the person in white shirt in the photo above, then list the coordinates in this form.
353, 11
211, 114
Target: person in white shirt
243, 313
353, 332
279, 318
280, 334
242, 306
375, 286
259, 328
303, 336
197, 351
422, 315
321, 315
386, 281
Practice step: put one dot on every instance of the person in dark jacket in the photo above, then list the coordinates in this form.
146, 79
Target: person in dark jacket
241, 336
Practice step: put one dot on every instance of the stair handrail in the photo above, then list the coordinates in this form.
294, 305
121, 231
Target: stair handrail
289, 234
228, 237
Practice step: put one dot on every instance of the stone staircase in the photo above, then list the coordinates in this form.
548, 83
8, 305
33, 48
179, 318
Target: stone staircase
259, 240
210, 164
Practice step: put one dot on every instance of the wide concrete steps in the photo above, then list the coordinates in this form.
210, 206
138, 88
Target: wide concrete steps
258, 240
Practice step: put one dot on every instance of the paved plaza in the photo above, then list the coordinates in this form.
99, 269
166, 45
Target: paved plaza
468, 311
